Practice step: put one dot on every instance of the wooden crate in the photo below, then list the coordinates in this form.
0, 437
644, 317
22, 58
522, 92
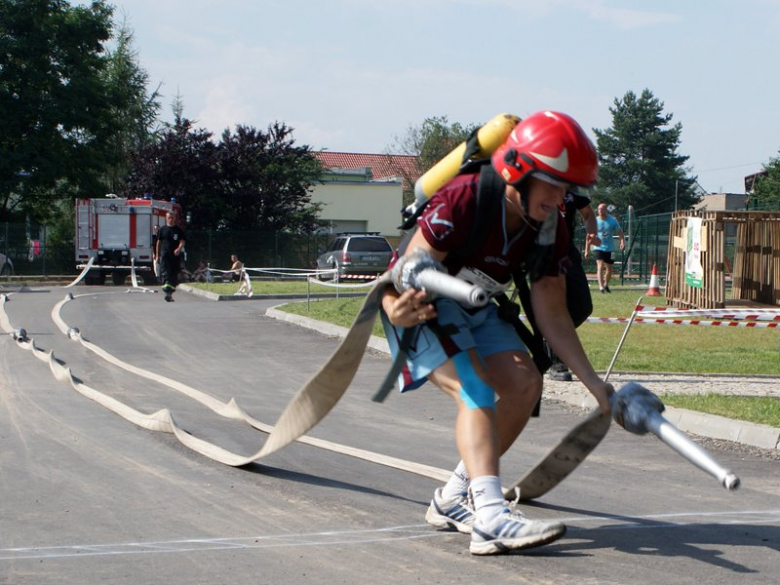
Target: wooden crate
756, 270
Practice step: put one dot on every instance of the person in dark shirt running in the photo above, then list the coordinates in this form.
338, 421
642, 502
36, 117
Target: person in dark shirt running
170, 246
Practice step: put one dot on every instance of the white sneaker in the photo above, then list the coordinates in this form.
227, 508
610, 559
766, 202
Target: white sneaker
457, 513
511, 530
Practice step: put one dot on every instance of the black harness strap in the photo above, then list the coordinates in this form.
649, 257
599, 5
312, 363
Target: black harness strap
398, 365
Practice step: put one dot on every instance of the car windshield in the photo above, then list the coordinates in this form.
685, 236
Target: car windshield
369, 245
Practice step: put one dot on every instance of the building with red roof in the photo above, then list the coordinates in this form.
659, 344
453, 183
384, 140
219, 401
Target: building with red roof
364, 192
381, 167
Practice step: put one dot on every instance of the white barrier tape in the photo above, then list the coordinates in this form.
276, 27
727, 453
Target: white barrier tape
163, 421
288, 272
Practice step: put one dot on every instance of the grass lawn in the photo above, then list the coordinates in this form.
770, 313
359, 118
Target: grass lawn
273, 287
648, 348
764, 410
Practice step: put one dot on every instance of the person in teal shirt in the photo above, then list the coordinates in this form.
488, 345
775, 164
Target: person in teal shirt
608, 227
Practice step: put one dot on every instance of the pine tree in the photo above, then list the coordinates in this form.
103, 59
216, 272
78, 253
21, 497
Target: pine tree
639, 160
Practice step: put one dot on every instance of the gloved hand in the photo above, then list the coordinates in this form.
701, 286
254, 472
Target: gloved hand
631, 406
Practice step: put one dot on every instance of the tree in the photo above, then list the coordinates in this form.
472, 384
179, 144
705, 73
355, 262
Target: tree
266, 180
182, 164
57, 115
134, 108
429, 142
639, 162
251, 180
767, 188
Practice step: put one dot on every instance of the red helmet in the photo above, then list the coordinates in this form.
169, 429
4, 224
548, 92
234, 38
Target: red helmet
550, 143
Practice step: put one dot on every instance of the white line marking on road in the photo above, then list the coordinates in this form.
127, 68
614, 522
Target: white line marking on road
379, 535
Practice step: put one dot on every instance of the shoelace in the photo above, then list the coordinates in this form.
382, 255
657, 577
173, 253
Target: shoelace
467, 502
511, 506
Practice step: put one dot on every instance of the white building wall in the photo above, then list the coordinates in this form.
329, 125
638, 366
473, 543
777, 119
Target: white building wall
378, 205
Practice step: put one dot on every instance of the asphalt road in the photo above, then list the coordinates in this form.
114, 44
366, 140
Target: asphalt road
86, 497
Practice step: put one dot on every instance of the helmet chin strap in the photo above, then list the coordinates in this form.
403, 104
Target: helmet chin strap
548, 228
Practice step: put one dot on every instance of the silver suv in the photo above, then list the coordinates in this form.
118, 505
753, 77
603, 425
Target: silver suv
356, 254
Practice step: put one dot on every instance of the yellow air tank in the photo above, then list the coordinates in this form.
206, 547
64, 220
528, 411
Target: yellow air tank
489, 137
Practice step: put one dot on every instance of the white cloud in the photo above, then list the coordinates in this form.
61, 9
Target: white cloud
624, 18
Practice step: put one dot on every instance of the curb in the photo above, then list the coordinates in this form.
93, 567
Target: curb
710, 426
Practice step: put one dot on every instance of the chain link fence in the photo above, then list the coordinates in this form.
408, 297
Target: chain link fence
35, 251
647, 243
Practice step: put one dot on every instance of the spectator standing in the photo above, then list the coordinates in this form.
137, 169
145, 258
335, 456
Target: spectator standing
608, 227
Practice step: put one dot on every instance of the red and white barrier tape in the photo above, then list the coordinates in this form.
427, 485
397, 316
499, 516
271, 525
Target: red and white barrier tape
359, 277
718, 314
753, 324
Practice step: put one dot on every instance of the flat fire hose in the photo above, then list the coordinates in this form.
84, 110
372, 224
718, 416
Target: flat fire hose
331, 381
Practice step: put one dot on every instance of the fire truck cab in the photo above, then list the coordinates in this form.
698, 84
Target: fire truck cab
118, 233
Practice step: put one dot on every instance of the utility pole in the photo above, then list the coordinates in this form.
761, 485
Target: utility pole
676, 183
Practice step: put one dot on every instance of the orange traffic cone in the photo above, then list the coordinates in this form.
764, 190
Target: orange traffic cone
653, 290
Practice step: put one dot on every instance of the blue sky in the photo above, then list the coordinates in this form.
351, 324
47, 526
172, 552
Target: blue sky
351, 75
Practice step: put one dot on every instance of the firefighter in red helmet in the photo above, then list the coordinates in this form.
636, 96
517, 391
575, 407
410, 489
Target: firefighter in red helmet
472, 354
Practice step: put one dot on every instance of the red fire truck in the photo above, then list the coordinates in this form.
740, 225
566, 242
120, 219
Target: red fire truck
118, 232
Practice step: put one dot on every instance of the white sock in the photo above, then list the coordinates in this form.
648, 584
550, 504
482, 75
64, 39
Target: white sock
488, 497
457, 484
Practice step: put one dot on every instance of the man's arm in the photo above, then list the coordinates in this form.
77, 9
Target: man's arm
548, 299
180, 247
622, 238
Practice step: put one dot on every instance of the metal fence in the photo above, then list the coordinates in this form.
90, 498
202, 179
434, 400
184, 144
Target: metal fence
26, 248
647, 243
33, 250
255, 249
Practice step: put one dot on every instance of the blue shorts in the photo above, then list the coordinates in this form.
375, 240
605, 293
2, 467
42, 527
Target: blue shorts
459, 330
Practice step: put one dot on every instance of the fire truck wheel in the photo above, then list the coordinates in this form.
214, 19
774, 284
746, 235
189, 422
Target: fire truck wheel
95, 280
118, 278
